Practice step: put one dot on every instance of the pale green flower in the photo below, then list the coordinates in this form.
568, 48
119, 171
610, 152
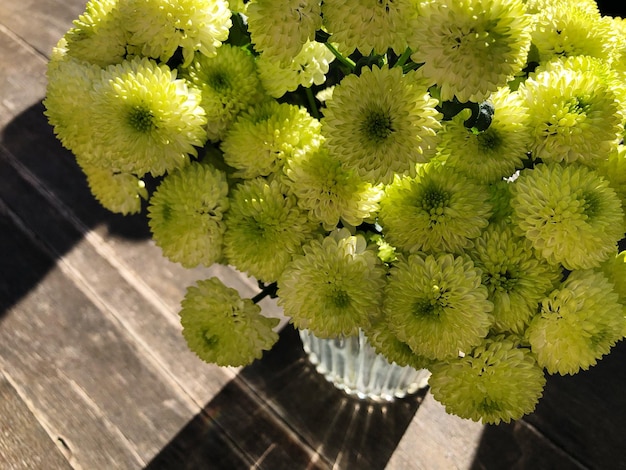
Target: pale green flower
186, 215
578, 324
381, 123
574, 115
385, 342
437, 305
570, 214
470, 48
369, 25
68, 100
143, 119
439, 210
494, 153
117, 192
265, 229
571, 29
229, 83
279, 28
308, 67
222, 328
516, 278
98, 35
159, 27
330, 192
613, 169
335, 287
260, 140
498, 381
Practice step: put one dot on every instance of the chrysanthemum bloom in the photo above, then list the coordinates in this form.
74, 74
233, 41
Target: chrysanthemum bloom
222, 328
333, 288
494, 153
265, 229
229, 83
615, 271
578, 324
385, 342
470, 48
159, 27
117, 192
370, 25
613, 169
330, 192
381, 123
439, 210
574, 115
68, 101
261, 139
437, 305
570, 29
279, 28
569, 213
186, 215
516, 278
498, 381
308, 67
99, 35
144, 119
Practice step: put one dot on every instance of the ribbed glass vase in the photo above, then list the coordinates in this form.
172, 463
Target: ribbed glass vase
353, 366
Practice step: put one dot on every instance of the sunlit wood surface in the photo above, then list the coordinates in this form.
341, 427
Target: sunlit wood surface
94, 373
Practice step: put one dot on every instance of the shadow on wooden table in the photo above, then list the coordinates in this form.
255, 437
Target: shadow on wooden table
318, 426
45, 205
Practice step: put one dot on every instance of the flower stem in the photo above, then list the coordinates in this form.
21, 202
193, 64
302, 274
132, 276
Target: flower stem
340, 57
312, 104
404, 57
269, 289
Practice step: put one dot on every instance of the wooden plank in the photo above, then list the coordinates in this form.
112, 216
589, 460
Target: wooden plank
24, 444
40, 23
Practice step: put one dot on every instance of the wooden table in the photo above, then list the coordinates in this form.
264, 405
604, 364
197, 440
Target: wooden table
94, 373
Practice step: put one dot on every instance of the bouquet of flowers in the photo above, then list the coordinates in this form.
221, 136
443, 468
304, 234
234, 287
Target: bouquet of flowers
445, 175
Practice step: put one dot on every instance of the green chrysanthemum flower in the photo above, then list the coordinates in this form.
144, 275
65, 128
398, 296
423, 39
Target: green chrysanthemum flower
615, 271
470, 48
570, 214
516, 279
437, 305
308, 67
330, 192
571, 29
382, 339
186, 215
574, 115
68, 101
279, 28
494, 153
117, 192
381, 123
613, 169
222, 328
99, 35
498, 381
335, 287
265, 229
369, 25
439, 210
229, 83
260, 141
159, 27
144, 119
578, 324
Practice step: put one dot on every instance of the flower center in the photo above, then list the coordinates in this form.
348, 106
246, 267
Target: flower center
377, 126
340, 299
219, 81
488, 140
141, 118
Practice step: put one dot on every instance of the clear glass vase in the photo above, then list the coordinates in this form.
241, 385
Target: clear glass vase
353, 366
